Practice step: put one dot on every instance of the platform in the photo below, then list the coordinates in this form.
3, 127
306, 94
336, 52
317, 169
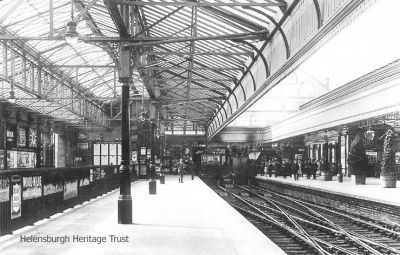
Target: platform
187, 218
371, 191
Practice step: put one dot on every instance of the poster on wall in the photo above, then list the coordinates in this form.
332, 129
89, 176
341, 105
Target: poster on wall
4, 190
1, 159
51, 188
32, 138
10, 137
70, 189
22, 159
32, 187
21, 137
85, 181
134, 157
12, 160
16, 196
97, 173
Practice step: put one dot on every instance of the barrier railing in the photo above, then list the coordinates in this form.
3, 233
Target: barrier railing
28, 195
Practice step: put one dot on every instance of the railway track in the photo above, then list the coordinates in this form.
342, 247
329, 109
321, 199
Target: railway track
300, 227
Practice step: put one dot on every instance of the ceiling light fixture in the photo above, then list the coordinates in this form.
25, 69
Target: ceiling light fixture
12, 98
71, 35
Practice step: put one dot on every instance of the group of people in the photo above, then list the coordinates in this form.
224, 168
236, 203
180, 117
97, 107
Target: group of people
295, 168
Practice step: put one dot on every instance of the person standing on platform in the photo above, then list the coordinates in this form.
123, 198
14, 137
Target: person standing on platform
181, 166
284, 169
192, 170
270, 168
314, 168
308, 168
277, 167
296, 170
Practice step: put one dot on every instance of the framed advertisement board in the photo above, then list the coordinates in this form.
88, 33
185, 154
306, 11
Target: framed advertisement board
16, 196
32, 187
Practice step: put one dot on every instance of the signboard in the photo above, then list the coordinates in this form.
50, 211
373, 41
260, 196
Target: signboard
52, 188
142, 150
82, 146
32, 187
21, 137
298, 157
32, 138
70, 189
4, 190
16, 196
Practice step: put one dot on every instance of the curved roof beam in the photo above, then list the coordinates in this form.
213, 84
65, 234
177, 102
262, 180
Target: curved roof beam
276, 25
259, 53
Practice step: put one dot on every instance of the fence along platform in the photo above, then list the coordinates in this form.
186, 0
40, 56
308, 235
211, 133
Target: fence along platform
183, 218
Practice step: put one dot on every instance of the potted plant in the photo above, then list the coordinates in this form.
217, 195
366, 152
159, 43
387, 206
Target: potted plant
325, 171
388, 164
358, 161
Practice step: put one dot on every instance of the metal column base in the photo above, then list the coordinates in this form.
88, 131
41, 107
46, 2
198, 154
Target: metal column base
152, 187
124, 209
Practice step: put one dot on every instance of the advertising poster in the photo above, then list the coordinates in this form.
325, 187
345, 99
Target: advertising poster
23, 159
10, 137
52, 188
97, 173
70, 189
32, 138
84, 181
4, 190
16, 196
134, 156
1, 159
32, 187
21, 137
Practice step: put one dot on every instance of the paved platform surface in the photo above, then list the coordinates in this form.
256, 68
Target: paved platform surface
187, 218
372, 189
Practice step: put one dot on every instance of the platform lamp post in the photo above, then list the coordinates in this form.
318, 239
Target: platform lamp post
125, 199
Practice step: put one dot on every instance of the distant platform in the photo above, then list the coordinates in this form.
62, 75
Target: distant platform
371, 191
182, 219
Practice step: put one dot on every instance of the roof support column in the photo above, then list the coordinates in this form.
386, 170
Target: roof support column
125, 199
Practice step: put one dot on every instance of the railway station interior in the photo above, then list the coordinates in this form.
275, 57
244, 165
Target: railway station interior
199, 127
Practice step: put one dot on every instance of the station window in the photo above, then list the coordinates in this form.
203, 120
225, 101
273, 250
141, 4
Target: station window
106, 153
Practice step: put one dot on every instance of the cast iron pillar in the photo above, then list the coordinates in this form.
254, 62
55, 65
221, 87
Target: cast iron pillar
125, 199
152, 182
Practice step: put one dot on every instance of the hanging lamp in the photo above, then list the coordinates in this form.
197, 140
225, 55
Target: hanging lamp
71, 35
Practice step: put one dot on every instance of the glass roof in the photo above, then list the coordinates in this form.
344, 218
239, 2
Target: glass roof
195, 76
